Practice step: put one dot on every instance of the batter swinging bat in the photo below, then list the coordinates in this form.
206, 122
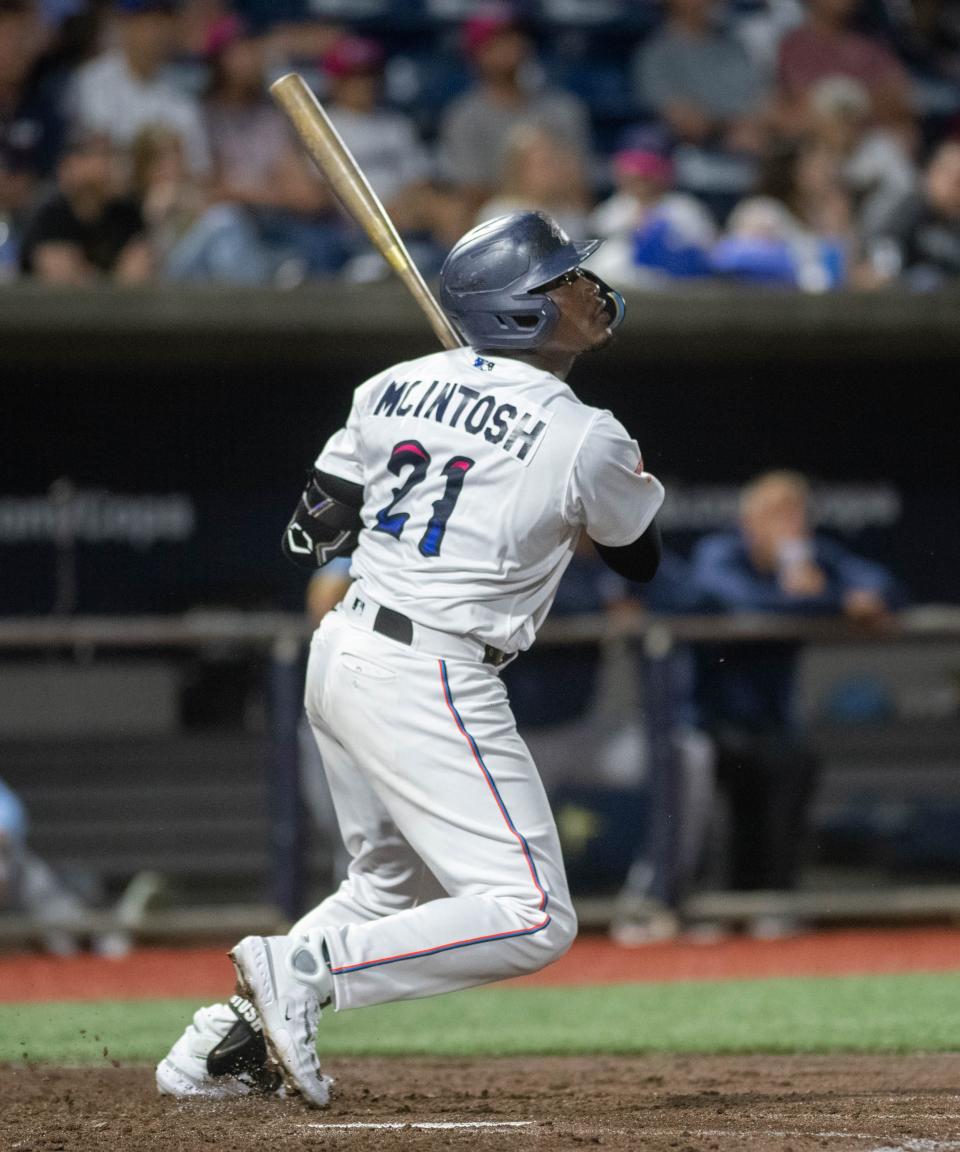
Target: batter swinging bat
333, 158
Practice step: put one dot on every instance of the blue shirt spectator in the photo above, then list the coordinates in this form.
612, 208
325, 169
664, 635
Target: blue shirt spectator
746, 692
753, 684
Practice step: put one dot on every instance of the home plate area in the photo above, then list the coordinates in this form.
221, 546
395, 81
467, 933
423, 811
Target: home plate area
852, 1103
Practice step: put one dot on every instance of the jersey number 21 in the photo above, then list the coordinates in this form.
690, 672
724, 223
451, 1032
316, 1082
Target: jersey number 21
412, 454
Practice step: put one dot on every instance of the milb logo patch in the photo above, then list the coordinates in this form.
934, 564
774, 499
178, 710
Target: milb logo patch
483, 365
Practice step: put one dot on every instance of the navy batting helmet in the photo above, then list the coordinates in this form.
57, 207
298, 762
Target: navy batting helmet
489, 282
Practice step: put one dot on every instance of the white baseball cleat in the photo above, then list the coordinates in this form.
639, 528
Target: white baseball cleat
237, 1045
286, 981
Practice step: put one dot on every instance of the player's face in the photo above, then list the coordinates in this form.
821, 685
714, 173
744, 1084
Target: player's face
584, 324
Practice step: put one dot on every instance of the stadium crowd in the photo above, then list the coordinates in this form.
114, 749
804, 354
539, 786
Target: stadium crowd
810, 145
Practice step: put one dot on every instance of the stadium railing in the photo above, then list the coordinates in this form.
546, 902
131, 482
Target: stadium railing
279, 639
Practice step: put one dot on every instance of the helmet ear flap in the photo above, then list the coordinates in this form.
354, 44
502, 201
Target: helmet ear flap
613, 303
526, 322
548, 319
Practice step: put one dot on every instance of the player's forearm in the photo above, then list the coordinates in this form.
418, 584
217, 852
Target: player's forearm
638, 561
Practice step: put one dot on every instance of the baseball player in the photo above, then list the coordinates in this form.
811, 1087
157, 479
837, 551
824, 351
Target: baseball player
460, 485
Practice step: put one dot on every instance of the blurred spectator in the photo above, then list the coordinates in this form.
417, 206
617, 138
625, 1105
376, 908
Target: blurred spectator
541, 172
291, 40
475, 127
196, 19
31, 125
386, 146
926, 34
746, 693
246, 131
124, 91
73, 31
13, 836
920, 238
271, 217
651, 231
702, 85
872, 163
29, 885
798, 230
171, 200
88, 227
808, 179
827, 45
761, 26
700, 81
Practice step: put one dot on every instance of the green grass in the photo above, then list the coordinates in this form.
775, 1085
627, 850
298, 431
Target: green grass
876, 1013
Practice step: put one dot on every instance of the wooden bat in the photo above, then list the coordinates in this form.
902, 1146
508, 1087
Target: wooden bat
334, 160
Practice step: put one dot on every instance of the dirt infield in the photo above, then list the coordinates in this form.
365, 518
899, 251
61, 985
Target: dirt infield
157, 972
657, 1103
654, 1103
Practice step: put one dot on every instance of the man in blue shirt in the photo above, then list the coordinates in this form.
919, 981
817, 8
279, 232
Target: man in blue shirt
746, 692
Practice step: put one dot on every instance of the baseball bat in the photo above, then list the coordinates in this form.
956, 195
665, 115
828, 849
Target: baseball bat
333, 158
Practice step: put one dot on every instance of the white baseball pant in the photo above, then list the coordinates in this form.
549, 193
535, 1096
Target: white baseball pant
456, 876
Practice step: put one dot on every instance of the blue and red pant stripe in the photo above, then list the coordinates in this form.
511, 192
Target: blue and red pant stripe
524, 846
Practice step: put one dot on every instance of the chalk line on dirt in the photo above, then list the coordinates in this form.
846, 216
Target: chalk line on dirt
445, 1125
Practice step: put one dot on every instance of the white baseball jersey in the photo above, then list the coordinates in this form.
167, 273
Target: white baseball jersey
479, 474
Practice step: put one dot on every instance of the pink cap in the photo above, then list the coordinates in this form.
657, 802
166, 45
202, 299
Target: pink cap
353, 56
647, 165
222, 33
479, 30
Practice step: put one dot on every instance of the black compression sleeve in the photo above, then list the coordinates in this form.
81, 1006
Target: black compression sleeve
638, 561
326, 522
343, 490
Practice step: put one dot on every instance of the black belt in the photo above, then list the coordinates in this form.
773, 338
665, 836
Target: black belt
398, 627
